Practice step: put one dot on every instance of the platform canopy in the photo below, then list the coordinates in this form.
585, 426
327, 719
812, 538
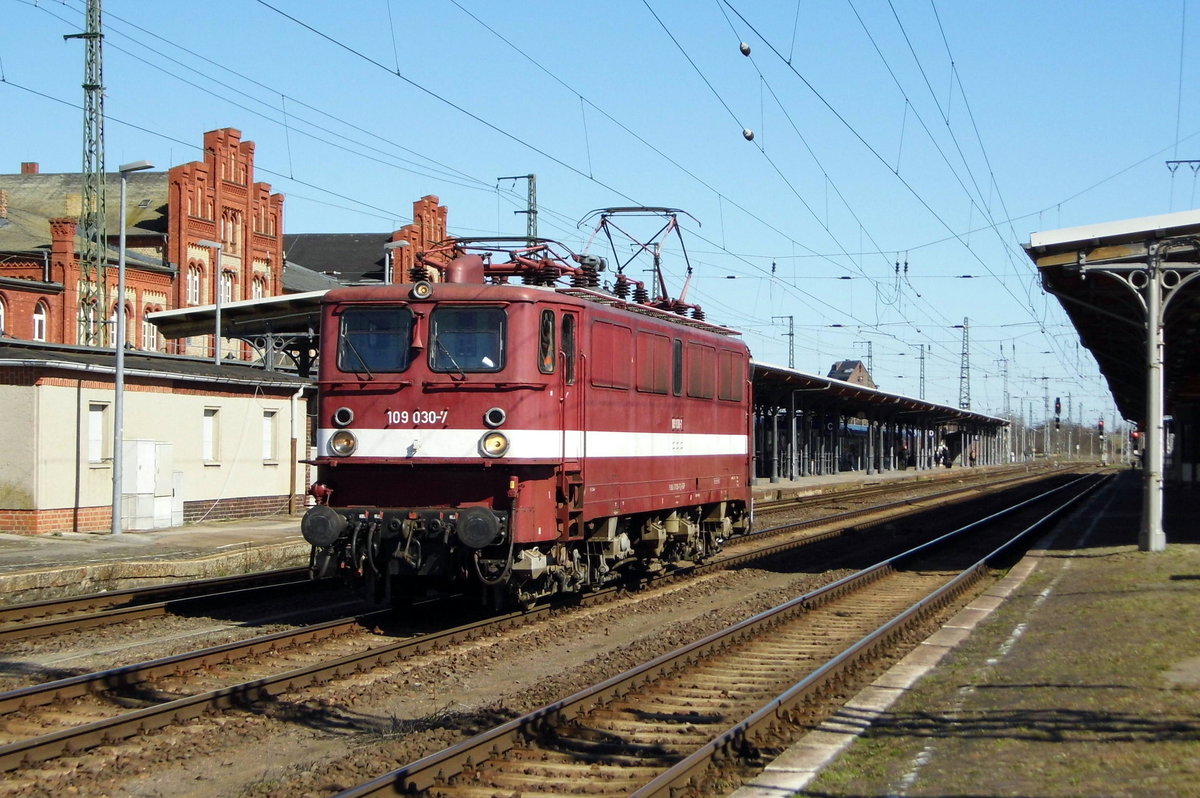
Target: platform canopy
1099, 273
288, 324
777, 384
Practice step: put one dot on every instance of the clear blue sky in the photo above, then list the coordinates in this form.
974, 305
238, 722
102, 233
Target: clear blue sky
937, 133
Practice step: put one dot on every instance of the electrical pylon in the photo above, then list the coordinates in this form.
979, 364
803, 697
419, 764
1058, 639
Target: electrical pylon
93, 304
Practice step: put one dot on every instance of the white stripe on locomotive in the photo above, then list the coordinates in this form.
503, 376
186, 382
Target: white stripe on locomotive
530, 444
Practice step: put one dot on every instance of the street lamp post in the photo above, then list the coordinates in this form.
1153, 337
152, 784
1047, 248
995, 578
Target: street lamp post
119, 364
216, 246
389, 270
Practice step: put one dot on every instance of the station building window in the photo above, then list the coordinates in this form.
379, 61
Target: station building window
210, 429
97, 450
40, 317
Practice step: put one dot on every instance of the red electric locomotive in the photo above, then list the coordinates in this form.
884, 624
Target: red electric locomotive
528, 438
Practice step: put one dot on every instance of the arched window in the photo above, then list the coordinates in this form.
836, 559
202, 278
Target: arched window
41, 315
149, 331
257, 289
3, 316
130, 327
234, 235
193, 285
226, 286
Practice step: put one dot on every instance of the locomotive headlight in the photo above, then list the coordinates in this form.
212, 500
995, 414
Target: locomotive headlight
494, 444
422, 289
343, 443
494, 417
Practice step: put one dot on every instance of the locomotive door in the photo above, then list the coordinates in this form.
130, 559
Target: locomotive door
570, 387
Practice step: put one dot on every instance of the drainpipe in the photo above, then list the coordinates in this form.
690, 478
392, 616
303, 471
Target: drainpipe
293, 461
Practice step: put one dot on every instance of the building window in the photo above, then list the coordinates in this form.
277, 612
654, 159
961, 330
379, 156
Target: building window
210, 436
235, 232
268, 436
2, 316
193, 285
149, 333
95, 429
226, 286
258, 288
39, 322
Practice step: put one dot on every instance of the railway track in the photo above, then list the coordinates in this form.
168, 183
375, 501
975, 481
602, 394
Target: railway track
72, 614
887, 487
58, 616
656, 729
158, 703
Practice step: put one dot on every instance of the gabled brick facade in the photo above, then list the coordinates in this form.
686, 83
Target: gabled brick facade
217, 200
166, 214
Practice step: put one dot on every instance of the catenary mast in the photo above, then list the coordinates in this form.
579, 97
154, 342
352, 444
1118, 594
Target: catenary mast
93, 307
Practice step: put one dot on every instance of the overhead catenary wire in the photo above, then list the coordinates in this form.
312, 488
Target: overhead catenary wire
584, 103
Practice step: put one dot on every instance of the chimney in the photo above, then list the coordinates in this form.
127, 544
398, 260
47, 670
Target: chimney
62, 238
30, 168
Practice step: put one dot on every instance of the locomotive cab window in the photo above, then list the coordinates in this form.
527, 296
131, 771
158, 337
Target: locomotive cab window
466, 339
568, 348
375, 339
547, 352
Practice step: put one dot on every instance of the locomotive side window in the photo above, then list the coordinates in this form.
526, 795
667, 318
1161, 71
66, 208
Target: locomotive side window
702, 371
568, 347
729, 376
677, 367
613, 345
375, 339
466, 339
653, 362
547, 351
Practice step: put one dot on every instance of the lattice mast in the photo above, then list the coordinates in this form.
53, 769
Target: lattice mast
531, 210
93, 305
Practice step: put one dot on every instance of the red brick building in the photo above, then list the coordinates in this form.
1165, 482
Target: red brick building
166, 214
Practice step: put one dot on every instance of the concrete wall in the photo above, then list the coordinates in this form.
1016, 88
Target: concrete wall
18, 456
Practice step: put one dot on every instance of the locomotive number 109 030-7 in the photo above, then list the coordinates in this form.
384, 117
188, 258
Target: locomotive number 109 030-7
417, 416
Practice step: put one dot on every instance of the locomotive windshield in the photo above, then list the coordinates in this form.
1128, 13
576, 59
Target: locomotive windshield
375, 339
466, 339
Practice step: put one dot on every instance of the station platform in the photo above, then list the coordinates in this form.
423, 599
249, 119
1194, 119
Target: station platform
1076, 675
33, 568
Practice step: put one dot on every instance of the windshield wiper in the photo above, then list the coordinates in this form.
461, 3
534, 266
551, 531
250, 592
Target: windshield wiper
438, 343
350, 345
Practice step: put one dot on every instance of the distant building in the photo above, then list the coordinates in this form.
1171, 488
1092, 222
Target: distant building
851, 371
167, 214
